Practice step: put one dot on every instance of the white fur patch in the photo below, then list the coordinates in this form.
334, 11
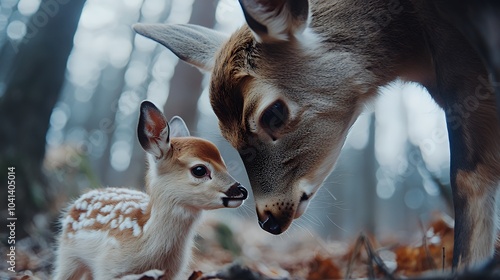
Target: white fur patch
309, 40
280, 23
114, 207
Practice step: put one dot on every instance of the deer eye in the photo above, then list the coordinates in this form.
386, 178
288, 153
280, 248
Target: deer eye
199, 171
274, 117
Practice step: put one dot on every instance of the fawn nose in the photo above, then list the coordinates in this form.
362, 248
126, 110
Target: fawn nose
243, 191
237, 191
235, 195
268, 222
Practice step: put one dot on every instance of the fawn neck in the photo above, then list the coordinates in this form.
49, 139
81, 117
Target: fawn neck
169, 230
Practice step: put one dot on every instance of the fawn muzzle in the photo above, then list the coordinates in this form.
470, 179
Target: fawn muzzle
235, 195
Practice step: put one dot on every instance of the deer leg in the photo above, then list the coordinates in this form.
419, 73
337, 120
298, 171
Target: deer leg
474, 133
475, 222
474, 187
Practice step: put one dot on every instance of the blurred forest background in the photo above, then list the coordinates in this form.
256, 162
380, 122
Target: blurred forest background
72, 76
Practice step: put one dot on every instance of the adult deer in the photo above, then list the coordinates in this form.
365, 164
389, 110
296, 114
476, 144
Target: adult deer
287, 86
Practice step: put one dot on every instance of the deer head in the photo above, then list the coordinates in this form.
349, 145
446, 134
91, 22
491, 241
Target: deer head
188, 170
284, 99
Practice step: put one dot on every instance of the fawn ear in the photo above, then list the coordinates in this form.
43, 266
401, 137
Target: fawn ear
275, 20
152, 130
196, 45
178, 127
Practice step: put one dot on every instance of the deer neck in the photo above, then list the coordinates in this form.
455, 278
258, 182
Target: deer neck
388, 37
168, 233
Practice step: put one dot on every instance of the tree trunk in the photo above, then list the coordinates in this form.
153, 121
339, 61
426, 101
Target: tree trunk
33, 84
186, 87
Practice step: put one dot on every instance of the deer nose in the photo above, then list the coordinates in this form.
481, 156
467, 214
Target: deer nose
243, 191
237, 191
235, 196
268, 223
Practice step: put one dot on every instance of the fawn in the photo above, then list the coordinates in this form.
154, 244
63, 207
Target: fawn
113, 232
287, 86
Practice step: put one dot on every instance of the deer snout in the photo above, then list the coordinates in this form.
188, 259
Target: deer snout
236, 194
276, 217
269, 223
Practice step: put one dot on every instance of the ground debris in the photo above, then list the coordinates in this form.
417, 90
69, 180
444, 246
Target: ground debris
323, 268
148, 275
236, 271
245, 252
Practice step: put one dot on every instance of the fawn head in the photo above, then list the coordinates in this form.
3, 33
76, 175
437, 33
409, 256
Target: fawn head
188, 168
284, 100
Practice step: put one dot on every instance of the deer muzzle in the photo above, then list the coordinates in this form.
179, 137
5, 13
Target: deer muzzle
236, 194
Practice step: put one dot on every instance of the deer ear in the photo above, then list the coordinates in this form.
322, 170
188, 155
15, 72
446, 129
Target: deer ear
178, 127
153, 131
275, 20
196, 45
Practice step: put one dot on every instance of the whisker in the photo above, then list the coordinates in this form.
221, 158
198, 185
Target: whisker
339, 227
329, 192
314, 220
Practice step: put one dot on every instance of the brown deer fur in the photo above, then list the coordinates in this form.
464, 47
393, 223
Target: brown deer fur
287, 86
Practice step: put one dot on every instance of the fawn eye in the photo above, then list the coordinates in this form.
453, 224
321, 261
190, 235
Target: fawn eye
199, 171
274, 116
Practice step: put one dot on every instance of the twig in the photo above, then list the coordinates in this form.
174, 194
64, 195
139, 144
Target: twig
444, 258
372, 255
428, 258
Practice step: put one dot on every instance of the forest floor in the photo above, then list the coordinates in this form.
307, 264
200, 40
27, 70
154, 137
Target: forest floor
241, 251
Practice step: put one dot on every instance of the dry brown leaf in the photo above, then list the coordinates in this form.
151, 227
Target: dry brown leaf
195, 275
322, 268
430, 255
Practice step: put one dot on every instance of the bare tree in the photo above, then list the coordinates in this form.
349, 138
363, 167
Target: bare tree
33, 84
186, 87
